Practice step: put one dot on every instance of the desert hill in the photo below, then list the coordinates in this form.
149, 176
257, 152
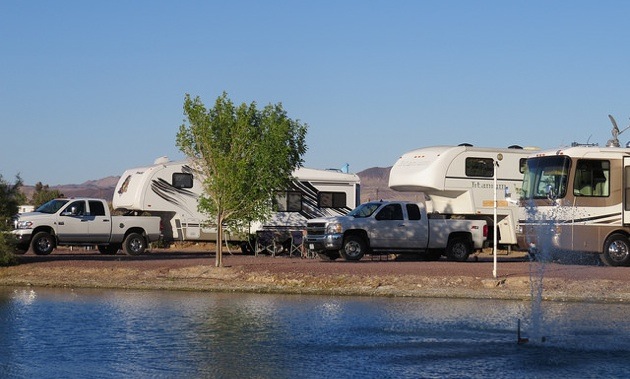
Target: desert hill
373, 187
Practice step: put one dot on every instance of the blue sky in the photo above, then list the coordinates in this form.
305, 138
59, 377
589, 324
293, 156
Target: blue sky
89, 89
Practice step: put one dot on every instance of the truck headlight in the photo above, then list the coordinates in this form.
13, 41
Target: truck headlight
333, 228
23, 224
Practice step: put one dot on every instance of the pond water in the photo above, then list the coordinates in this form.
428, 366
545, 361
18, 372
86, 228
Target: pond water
54, 333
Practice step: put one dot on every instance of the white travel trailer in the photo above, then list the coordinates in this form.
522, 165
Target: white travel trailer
171, 190
460, 182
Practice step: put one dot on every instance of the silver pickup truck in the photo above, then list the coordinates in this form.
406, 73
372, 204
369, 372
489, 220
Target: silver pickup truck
394, 227
83, 222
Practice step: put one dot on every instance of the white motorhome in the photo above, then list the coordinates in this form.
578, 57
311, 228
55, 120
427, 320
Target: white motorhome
581, 196
460, 182
171, 189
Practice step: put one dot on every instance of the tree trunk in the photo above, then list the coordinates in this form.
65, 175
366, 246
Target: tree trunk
219, 250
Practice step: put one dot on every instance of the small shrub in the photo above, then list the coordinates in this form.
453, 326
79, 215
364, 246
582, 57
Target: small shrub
7, 247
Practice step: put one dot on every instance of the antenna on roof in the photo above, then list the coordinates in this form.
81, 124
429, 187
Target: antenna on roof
614, 141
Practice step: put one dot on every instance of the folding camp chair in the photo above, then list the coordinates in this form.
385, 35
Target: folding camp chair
297, 243
265, 243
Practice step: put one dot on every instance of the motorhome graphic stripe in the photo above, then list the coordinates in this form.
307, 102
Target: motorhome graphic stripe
613, 218
490, 179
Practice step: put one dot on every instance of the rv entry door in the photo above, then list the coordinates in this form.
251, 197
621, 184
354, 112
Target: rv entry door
626, 190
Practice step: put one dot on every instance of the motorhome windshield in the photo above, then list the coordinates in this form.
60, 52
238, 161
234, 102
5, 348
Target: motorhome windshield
52, 206
546, 177
364, 210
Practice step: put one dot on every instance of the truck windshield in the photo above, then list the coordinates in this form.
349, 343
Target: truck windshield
364, 210
52, 206
546, 177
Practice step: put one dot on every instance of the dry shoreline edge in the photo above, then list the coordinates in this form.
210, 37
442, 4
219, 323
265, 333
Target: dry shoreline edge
274, 276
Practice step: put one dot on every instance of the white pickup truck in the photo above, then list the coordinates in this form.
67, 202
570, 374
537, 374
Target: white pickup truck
83, 222
394, 227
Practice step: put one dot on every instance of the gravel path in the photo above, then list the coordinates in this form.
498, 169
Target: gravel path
583, 280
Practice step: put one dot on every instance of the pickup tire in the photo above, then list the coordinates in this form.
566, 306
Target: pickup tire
354, 248
108, 249
43, 243
458, 249
134, 244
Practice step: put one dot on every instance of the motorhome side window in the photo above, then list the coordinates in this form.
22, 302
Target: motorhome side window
288, 201
592, 178
331, 199
479, 167
182, 180
522, 165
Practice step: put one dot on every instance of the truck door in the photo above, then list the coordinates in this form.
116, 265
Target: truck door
99, 222
626, 191
72, 225
389, 228
418, 229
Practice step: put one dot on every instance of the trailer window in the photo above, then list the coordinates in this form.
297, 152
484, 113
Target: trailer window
592, 178
331, 199
479, 167
182, 180
288, 201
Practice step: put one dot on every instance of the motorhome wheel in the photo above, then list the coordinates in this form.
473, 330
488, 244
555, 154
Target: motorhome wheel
616, 251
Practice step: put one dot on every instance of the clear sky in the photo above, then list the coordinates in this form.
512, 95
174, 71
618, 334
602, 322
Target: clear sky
91, 88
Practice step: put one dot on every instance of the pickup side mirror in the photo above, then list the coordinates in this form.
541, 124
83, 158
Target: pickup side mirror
71, 212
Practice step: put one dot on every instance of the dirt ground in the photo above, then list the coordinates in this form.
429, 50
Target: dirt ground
193, 269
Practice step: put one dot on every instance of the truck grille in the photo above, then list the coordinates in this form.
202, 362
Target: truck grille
316, 229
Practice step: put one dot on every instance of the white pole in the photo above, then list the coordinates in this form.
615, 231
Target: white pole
494, 231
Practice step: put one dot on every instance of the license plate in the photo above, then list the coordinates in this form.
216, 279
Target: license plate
311, 246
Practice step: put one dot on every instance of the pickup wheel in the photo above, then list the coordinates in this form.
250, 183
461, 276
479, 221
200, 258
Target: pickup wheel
134, 244
108, 249
458, 249
43, 243
353, 248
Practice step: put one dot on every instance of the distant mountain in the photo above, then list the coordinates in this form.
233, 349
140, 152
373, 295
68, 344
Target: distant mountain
101, 188
374, 186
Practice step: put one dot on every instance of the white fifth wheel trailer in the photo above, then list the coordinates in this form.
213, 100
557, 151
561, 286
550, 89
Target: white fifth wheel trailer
171, 189
460, 182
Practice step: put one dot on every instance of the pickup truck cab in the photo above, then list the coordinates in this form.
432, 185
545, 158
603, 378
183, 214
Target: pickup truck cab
83, 222
394, 227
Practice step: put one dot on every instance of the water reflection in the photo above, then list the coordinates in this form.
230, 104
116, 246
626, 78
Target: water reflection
102, 334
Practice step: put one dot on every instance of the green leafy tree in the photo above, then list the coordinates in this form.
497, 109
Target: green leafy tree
43, 194
244, 153
10, 200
